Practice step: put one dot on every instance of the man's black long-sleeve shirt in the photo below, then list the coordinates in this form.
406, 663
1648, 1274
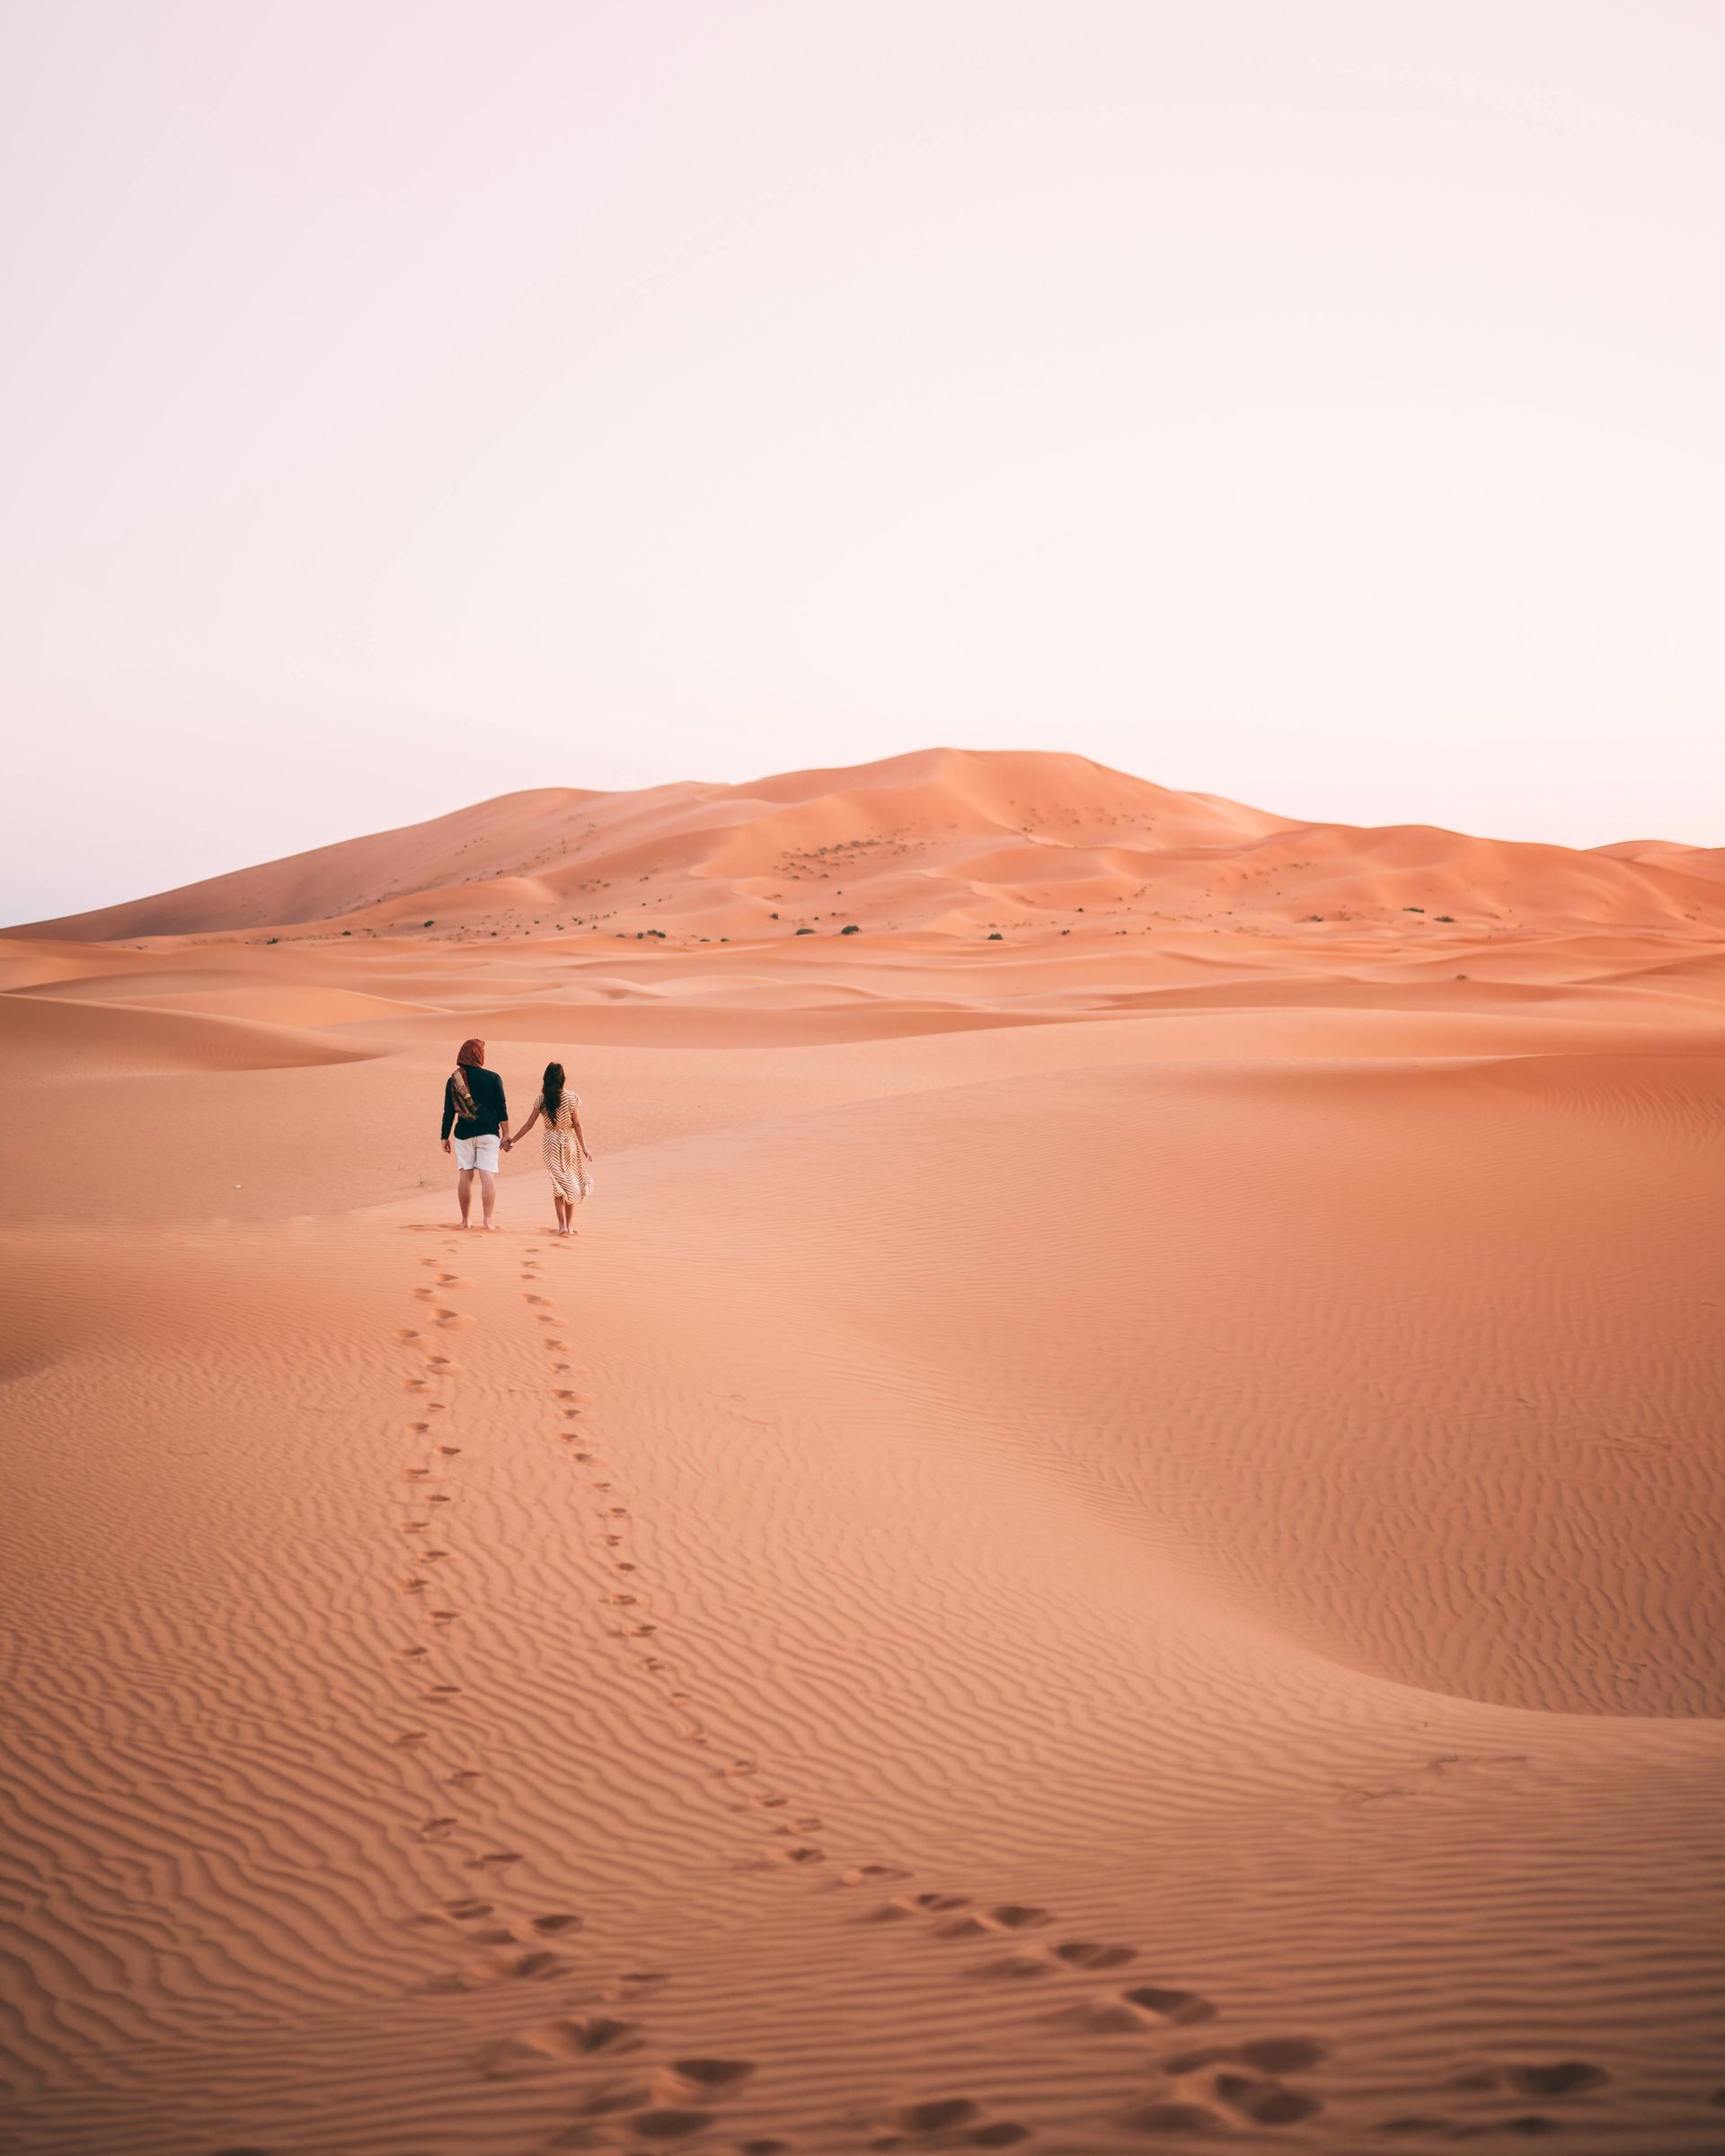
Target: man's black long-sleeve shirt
487, 1089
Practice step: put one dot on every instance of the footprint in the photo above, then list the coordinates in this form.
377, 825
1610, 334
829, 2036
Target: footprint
1013, 1969
559, 1920
534, 1966
668, 2122
1169, 2005
1282, 2054
448, 1451
538, 2050
1267, 2102
937, 2115
436, 1830
712, 2073
582, 2035
1568, 2077
1087, 1954
1018, 1916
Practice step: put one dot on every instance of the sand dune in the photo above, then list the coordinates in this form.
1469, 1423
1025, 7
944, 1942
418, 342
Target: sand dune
961, 843
81, 1040
1104, 1540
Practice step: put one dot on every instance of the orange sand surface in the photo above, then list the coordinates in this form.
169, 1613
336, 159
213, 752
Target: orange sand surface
1107, 1539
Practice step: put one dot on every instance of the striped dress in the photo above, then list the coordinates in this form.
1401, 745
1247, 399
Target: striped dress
570, 1174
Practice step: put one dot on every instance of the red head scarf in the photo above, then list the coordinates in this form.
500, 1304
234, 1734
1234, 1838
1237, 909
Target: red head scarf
469, 1056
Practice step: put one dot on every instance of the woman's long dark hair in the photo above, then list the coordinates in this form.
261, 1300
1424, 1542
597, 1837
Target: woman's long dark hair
554, 1094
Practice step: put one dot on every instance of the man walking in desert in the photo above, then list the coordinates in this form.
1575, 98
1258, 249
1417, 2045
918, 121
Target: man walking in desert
474, 1104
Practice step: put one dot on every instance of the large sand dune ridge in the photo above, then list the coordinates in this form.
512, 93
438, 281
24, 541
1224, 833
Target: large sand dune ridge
945, 839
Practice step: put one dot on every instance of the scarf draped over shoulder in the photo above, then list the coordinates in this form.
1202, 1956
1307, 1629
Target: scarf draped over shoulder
469, 1056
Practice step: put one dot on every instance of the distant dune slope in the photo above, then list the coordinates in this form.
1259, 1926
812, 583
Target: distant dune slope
963, 843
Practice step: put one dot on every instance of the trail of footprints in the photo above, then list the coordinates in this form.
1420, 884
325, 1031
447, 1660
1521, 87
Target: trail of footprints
508, 1948
1202, 2086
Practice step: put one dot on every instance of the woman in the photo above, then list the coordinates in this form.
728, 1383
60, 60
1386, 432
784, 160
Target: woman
561, 1145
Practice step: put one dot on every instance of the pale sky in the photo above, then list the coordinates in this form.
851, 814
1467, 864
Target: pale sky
1315, 402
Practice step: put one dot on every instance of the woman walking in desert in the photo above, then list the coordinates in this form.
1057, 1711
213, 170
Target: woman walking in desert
562, 1145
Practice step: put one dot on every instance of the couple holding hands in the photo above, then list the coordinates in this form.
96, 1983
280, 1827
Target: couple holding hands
475, 1110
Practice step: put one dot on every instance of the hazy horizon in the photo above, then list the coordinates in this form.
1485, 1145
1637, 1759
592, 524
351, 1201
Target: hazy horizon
1315, 405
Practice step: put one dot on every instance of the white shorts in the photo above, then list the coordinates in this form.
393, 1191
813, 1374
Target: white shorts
478, 1152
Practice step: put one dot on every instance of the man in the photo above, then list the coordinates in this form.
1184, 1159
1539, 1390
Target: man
473, 1103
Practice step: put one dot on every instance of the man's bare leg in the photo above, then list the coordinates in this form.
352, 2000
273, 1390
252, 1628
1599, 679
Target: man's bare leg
487, 1192
465, 1192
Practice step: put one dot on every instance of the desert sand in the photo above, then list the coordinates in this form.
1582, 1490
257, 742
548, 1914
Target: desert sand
1107, 1539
